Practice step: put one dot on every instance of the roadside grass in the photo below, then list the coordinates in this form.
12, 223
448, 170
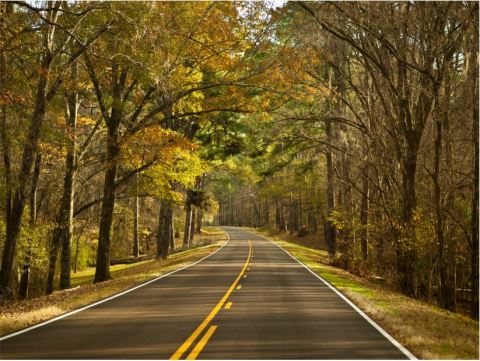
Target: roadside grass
18, 315
427, 331
212, 230
86, 276
209, 235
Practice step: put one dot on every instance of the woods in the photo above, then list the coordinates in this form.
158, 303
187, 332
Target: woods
126, 126
106, 103
376, 145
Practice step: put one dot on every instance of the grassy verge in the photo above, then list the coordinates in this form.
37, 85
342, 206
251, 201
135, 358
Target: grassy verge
212, 231
429, 332
18, 315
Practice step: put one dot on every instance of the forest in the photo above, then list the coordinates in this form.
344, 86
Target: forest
126, 127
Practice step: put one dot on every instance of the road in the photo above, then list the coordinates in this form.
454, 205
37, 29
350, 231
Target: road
249, 300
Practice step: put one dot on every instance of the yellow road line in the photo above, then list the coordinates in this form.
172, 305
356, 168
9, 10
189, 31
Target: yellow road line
201, 344
228, 305
184, 346
239, 287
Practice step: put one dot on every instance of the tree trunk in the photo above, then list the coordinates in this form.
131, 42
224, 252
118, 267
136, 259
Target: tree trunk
192, 224
62, 233
475, 219
330, 230
165, 228
20, 195
188, 221
277, 216
136, 242
198, 227
256, 211
171, 235
406, 254
34, 188
6, 10
444, 297
405, 250
341, 136
69, 183
267, 212
283, 217
231, 209
450, 196
346, 203
222, 214
311, 212
25, 277
364, 208
447, 285
413, 123
291, 221
77, 245
102, 271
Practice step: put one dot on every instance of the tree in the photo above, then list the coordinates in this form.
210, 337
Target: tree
55, 32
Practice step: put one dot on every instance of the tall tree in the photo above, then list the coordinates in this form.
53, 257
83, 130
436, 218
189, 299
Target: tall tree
54, 36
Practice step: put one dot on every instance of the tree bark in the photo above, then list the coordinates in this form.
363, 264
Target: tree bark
136, 211
267, 212
447, 282
25, 277
192, 225
62, 233
69, 182
444, 299
20, 194
406, 254
77, 247
475, 217
277, 215
341, 136
413, 123
198, 227
102, 270
136, 248
364, 208
34, 188
188, 221
330, 229
6, 9
171, 234
165, 228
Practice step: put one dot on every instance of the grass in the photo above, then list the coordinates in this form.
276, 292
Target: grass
212, 230
85, 276
427, 331
18, 315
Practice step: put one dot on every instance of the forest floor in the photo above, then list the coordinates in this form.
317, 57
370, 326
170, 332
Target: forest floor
427, 331
18, 315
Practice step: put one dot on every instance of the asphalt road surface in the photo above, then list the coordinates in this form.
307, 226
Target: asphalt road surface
249, 300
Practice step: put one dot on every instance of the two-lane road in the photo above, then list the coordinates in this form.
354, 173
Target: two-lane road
249, 300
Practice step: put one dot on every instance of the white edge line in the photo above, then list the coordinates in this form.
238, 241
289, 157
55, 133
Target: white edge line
343, 297
30, 328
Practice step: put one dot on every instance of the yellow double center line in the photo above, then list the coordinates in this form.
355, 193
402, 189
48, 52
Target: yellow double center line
196, 350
